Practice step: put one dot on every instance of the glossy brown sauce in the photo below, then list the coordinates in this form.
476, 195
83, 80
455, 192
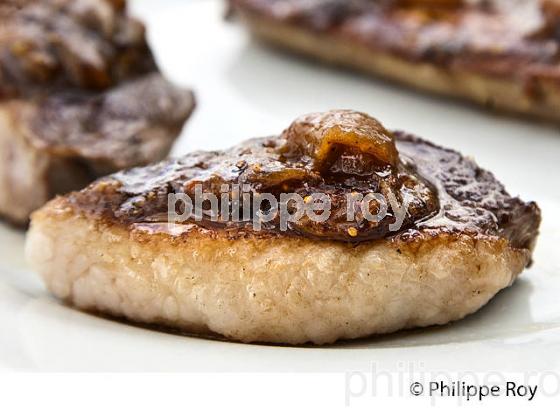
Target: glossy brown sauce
336, 153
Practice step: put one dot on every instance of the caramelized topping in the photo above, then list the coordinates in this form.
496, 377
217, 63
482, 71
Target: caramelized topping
327, 137
427, 189
343, 155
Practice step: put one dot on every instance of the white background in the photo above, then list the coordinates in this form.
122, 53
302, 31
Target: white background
245, 90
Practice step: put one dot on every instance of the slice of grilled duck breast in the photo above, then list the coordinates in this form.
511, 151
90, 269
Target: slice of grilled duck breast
499, 54
80, 97
447, 240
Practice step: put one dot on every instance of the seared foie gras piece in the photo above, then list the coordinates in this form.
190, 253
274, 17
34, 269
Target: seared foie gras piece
450, 239
80, 97
499, 54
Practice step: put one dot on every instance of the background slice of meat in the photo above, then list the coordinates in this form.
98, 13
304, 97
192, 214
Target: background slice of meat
52, 145
501, 55
88, 44
80, 97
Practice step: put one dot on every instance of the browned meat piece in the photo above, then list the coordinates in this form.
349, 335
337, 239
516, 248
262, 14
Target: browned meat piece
501, 54
80, 97
90, 44
115, 246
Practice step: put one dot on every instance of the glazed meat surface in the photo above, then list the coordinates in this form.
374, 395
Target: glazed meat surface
114, 247
335, 153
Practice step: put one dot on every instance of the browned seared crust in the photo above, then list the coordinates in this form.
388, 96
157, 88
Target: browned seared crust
502, 56
113, 248
80, 97
468, 199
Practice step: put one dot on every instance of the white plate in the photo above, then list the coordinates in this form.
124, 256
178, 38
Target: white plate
245, 90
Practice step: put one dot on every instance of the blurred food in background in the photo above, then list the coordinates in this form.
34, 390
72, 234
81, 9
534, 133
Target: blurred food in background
80, 96
502, 54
